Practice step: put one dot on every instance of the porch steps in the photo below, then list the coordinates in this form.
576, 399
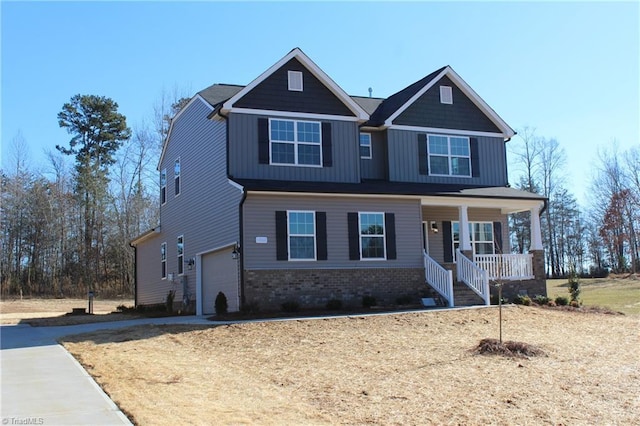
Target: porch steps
464, 296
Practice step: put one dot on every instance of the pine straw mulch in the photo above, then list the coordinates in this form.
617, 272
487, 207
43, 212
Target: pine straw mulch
508, 349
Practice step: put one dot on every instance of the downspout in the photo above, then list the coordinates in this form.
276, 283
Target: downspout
240, 216
135, 275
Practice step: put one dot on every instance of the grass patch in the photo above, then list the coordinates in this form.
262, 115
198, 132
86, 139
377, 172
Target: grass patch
617, 294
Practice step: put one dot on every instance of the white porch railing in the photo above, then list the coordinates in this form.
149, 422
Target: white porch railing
506, 266
475, 278
439, 278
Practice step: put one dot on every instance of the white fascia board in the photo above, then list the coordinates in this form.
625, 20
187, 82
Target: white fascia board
360, 113
340, 195
507, 131
445, 131
184, 108
218, 248
236, 185
145, 235
293, 115
506, 205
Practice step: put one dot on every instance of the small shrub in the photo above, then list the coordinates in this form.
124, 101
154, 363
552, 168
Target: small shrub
221, 304
574, 304
125, 309
404, 300
290, 306
541, 300
551, 304
562, 301
368, 301
574, 287
522, 300
169, 301
334, 305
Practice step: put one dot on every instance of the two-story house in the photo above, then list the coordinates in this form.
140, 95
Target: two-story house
289, 189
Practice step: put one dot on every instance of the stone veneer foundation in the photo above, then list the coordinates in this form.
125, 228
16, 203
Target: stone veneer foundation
313, 288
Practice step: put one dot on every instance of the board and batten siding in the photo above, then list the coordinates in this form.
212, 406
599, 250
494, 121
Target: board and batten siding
259, 221
376, 166
451, 214
404, 161
206, 213
244, 160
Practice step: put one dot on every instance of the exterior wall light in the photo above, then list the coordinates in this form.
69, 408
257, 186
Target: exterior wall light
434, 226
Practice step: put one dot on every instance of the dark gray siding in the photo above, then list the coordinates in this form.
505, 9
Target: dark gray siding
205, 212
273, 94
440, 214
376, 167
243, 153
404, 161
259, 221
463, 114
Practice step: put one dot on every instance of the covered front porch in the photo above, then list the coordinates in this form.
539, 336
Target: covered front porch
466, 241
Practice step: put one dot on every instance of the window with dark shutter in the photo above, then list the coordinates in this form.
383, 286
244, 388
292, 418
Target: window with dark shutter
263, 141
497, 237
354, 236
475, 157
422, 154
321, 235
447, 242
390, 230
282, 252
327, 150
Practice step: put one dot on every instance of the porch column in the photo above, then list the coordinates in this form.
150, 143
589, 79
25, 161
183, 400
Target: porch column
536, 234
465, 240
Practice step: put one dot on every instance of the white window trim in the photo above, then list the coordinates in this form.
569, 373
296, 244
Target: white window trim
177, 177
449, 156
163, 245
315, 237
295, 77
446, 95
180, 257
369, 146
295, 143
163, 187
472, 241
384, 237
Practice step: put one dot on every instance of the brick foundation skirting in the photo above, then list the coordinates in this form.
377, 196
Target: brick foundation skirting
313, 288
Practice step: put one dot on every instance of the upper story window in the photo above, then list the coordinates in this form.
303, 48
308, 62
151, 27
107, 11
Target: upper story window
163, 186
180, 251
480, 234
163, 260
446, 95
295, 81
365, 145
176, 175
372, 236
449, 156
295, 142
302, 235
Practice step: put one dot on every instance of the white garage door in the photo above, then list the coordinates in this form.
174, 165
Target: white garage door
219, 273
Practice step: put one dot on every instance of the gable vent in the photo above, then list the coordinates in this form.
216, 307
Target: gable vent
446, 95
295, 81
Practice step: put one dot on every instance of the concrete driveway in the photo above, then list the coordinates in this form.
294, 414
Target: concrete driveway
42, 384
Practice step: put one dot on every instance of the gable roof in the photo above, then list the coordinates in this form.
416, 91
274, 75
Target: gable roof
353, 106
397, 103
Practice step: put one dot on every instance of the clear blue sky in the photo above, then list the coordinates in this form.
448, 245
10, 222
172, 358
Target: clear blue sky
571, 70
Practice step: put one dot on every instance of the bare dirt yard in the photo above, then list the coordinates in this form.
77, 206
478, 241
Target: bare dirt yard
44, 312
411, 368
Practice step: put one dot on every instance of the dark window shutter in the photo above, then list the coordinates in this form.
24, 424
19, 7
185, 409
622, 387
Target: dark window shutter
327, 150
177, 182
475, 157
321, 235
281, 236
497, 236
423, 160
447, 242
390, 230
354, 236
263, 140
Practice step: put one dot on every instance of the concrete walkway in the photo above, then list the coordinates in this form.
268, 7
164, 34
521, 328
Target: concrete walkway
42, 384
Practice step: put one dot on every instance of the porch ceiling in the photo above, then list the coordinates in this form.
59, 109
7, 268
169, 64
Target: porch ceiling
508, 200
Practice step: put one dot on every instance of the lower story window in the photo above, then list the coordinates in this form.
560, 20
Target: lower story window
302, 235
180, 249
163, 259
480, 234
372, 244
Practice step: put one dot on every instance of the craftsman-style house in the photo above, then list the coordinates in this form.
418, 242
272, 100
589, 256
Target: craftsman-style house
289, 189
